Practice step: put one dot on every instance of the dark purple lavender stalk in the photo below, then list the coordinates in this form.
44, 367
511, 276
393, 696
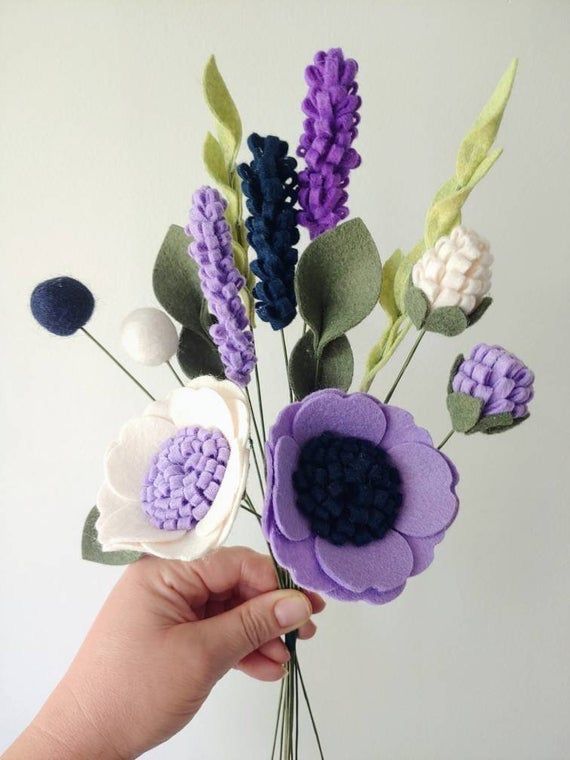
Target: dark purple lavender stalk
331, 107
221, 282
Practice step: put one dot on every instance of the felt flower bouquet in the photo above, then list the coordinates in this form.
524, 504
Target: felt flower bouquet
355, 496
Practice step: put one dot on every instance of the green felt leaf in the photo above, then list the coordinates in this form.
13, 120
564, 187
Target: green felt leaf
493, 423
455, 366
417, 305
198, 355
224, 110
464, 411
445, 213
476, 315
91, 548
215, 163
338, 280
335, 366
175, 279
387, 294
403, 275
447, 320
481, 137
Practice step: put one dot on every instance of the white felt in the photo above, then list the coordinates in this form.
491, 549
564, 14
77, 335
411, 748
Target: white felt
456, 271
158, 408
127, 463
203, 407
149, 336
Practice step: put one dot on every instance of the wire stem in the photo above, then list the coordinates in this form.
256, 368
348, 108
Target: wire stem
286, 358
118, 363
255, 425
260, 402
445, 440
310, 712
407, 360
174, 372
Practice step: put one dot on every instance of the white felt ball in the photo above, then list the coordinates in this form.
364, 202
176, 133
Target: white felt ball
149, 336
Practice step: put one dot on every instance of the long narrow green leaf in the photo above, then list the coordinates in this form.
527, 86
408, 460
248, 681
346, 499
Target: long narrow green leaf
224, 110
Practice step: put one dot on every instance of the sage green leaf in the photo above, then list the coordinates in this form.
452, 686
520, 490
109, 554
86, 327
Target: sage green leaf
335, 366
198, 355
175, 279
446, 320
224, 110
338, 280
481, 137
464, 411
455, 366
477, 313
493, 423
387, 295
92, 550
417, 305
445, 214
404, 273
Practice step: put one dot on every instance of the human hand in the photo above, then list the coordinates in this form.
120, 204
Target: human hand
166, 634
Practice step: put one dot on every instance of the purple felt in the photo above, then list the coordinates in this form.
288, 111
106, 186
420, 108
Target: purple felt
267, 519
292, 524
401, 428
300, 558
358, 415
429, 503
383, 564
376, 572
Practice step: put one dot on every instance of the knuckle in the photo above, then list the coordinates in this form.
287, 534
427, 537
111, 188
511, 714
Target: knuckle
255, 626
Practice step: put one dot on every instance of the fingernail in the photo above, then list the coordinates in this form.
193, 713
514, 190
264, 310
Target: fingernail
292, 611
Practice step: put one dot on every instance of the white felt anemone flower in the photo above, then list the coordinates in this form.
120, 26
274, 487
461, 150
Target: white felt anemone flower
456, 271
175, 477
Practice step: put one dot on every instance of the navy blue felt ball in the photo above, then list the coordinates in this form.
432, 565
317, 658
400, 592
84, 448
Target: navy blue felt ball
62, 305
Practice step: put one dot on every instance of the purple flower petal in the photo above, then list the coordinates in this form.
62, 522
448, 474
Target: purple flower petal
290, 521
371, 595
429, 503
401, 428
284, 422
356, 415
422, 549
383, 564
299, 557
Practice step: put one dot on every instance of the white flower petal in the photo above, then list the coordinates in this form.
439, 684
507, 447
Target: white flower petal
109, 501
130, 525
190, 547
203, 407
127, 463
157, 409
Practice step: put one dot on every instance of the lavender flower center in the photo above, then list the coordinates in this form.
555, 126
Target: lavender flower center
184, 478
347, 488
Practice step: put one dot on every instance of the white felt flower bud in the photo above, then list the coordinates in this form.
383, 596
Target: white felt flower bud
456, 271
149, 336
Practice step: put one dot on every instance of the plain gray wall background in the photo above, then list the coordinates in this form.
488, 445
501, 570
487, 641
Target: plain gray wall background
100, 149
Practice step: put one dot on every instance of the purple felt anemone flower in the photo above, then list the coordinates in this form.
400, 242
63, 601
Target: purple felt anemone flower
357, 496
331, 108
221, 283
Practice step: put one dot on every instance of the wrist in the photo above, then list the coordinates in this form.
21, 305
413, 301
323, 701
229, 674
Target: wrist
63, 731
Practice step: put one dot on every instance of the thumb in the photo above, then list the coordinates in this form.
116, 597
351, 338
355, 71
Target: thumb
231, 636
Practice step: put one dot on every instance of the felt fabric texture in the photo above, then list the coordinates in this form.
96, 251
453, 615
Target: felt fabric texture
176, 281
197, 355
270, 184
334, 369
464, 411
502, 383
377, 571
331, 108
151, 471
338, 280
447, 320
184, 478
62, 305
219, 156
149, 336
92, 550
456, 271
221, 282
417, 306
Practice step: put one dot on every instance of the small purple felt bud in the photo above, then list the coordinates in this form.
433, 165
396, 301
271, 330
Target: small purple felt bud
489, 390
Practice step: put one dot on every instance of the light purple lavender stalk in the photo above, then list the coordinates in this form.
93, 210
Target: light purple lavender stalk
221, 282
331, 107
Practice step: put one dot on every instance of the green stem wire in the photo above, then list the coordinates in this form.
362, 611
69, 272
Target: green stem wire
276, 732
174, 372
253, 417
259, 401
407, 360
118, 363
445, 440
286, 358
311, 716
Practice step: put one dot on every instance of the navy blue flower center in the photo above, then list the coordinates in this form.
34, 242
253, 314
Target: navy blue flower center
347, 488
